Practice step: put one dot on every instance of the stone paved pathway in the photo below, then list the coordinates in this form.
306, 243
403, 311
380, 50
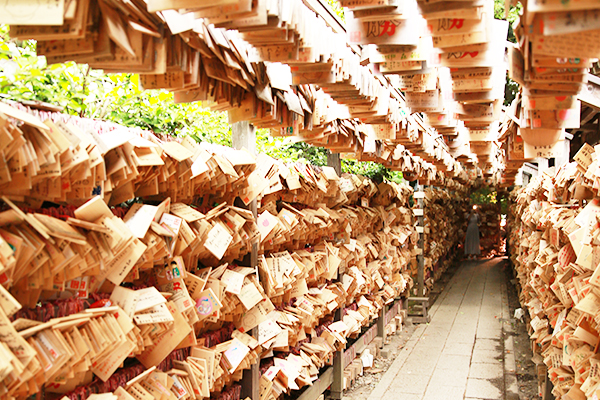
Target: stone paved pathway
461, 353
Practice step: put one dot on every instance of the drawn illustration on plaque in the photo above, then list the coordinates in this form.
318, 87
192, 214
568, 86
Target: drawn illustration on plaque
44, 12
249, 320
20, 11
204, 306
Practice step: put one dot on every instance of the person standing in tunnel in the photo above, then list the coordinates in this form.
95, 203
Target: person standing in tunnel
472, 249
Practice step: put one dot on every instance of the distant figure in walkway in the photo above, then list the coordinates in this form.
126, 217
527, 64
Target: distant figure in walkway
472, 238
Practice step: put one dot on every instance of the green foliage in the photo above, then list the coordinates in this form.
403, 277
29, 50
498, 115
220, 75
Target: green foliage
306, 153
93, 94
4, 32
365, 168
513, 15
25, 76
510, 91
337, 9
512, 87
484, 195
125, 103
374, 171
286, 149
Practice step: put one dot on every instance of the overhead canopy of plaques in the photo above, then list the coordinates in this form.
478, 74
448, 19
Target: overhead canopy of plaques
556, 50
287, 66
449, 60
415, 85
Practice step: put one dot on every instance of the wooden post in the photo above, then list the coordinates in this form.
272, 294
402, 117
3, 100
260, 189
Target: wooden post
381, 324
334, 161
421, 257
243, 135
548, 389
337, 386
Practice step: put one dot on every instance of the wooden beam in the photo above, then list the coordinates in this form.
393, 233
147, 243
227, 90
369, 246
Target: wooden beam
587, 113
325, 12
590, 94
318, 386
594, 79
590, 127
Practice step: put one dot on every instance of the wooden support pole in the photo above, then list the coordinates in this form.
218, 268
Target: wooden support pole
548, 389
421, 257
381, 324
334, 161
337, 386
243, 136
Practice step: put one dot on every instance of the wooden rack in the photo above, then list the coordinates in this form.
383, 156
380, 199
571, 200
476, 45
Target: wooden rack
333, 377
421, 314
244, 136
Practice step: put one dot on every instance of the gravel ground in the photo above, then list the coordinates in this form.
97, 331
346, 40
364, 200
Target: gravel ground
365, 384
526, 371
